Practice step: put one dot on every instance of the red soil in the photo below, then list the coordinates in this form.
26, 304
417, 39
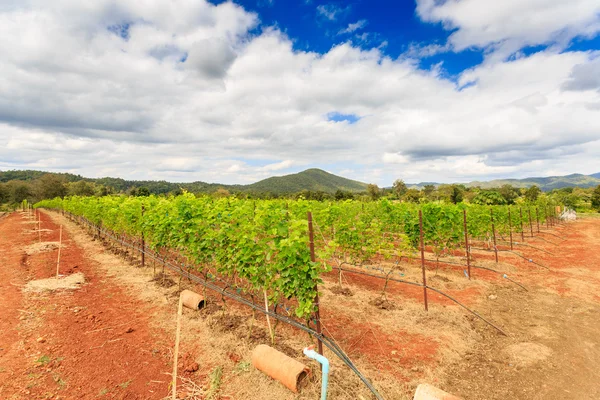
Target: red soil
94, 341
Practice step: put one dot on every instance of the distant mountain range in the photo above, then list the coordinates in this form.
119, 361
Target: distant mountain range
311, 179
545, 183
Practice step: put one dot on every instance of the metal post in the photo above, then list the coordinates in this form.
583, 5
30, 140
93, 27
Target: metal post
143, 241
530, 224
510, 228
467, 243
521, 220
423, 259
494, 234
537, 219
311, 244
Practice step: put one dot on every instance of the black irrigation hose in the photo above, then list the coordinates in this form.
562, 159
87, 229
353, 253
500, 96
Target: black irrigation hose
533, 247
481, 267
550, 233
428, 287
335, 349
545, 240
528, 259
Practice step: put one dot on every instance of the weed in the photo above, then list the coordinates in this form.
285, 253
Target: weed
215, 382
242, 366
59, 381
102, 392
43, 360
124, 385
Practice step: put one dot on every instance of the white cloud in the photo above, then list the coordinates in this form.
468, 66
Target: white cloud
505, 27
331, 11
78, 97
354, 27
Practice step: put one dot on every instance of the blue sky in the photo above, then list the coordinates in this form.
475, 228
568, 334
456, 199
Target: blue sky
236, 91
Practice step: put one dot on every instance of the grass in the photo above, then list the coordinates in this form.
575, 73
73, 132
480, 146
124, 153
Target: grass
103, 392
43, 360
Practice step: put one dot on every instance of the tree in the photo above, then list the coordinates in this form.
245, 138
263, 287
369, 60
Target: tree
144, 192
343, 195
4, 194
19, 191
399, 188
509, 193
596, 198
50, 186
457, 194
373, 191
412, 196
489, 198
428, 190
532, 193
82, 188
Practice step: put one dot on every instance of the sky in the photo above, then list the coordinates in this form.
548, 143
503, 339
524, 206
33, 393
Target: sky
237, 91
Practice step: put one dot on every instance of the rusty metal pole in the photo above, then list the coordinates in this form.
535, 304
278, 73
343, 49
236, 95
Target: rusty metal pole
423, 259
494, 234
143, 241
521, 220
467, 243
311, 244
530, 224
510, 228
537, 219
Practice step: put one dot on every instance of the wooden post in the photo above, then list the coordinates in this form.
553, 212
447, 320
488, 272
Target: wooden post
59, 247
521, 220
530, 224
143, 241
423, 259
311, 243
537, 219
510, 228
494, 234
176, 352
467, 243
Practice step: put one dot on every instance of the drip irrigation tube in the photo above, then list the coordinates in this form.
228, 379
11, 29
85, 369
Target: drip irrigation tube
533, 247
529, 259
481, 267
426, 286
550, 233
332, 346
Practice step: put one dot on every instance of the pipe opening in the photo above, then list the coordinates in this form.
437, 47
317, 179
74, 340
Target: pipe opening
301, 380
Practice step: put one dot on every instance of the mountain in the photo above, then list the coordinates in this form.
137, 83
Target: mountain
312, 179
545, 183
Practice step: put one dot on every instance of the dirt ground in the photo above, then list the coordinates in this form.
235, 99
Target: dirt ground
112, 336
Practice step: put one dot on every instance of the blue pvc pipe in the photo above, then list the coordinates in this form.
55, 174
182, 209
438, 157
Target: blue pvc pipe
325, 370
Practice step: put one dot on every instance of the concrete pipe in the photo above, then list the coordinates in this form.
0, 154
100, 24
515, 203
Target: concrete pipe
192, 300
280, 367
428, 392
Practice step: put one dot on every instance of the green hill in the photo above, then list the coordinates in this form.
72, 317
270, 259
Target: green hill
312, 179
545, 183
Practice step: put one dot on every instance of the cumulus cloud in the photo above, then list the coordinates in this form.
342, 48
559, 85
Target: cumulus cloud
186, 90
504, 27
